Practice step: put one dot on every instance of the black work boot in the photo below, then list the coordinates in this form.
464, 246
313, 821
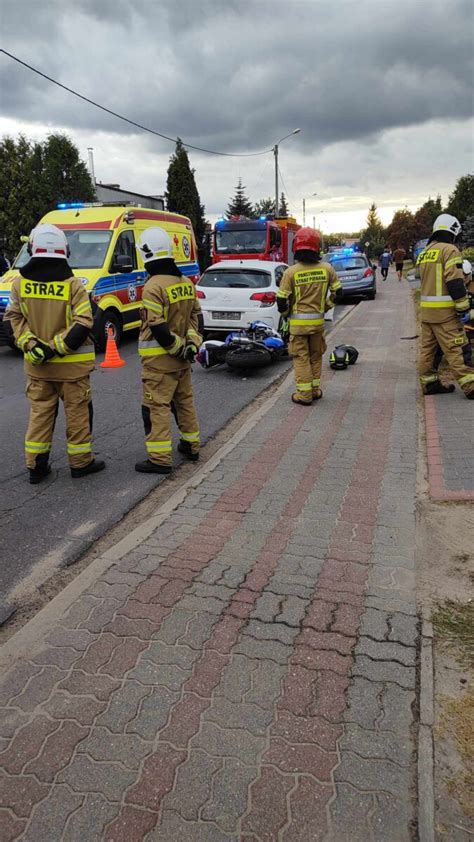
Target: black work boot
41, 470
148, 467
184, 447
437, 388
470, 396
39, 474
92, 468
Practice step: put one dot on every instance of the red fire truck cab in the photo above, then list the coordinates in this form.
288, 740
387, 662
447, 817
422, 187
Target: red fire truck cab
264, 238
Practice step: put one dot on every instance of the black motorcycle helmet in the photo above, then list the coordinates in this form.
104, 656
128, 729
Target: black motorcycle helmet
353, 353
339, 358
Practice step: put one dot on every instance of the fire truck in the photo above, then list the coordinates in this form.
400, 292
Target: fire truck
265, 238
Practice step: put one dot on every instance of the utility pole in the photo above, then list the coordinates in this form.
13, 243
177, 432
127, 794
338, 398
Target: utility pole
91, 163
304, 212
275, 152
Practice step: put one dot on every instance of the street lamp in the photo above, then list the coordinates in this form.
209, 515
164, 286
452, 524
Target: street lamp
304, 208
275, 152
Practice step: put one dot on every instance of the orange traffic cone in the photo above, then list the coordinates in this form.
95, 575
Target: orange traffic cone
112, 357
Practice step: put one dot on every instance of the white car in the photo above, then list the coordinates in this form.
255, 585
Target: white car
233, 293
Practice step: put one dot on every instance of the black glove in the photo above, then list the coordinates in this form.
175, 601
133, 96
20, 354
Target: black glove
40, 353
190, 352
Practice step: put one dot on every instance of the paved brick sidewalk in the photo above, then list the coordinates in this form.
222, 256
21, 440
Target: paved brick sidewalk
249, 671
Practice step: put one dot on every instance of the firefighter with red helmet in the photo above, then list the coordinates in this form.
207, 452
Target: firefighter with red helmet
307, 290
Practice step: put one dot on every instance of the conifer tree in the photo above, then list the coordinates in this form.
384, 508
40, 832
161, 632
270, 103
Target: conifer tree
182, 195
240, 205
33, 179
283, 206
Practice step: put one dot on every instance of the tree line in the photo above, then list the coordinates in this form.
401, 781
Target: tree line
406, 228
35, 176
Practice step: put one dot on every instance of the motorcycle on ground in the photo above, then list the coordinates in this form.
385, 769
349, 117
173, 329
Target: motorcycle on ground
253, 347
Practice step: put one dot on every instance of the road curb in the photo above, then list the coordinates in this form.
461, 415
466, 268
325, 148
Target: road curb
30, 637
425, 770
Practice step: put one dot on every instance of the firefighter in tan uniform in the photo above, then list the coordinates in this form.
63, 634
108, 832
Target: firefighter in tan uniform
50, 316
307, 290
169, 339
445, 310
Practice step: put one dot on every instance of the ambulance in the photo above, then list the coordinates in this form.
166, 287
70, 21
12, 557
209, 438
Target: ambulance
103, 256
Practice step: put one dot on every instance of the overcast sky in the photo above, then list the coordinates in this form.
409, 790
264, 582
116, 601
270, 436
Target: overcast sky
381, 89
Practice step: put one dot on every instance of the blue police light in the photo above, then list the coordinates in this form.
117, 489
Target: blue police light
263, 218
4, 300
68, 205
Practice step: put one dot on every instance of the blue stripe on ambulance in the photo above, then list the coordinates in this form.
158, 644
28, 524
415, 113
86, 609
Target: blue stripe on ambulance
115, 283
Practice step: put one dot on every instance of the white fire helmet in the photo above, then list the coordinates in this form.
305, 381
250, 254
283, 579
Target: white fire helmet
154, 244
48, 241
467, 267
446, 222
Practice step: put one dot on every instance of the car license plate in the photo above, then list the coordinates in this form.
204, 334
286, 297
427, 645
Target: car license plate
223, 316
351, 277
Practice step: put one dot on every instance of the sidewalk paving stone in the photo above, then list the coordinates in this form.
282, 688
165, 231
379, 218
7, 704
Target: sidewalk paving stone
249, 671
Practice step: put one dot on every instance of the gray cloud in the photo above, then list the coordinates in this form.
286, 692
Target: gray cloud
236, 75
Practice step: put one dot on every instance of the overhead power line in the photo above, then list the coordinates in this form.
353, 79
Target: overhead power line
126, 119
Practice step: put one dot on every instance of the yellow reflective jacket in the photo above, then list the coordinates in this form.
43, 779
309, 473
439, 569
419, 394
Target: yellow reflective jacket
305, 288
440, 263
168, 300
48, 311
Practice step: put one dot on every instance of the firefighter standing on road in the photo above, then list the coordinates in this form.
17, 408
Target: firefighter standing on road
169, 339
445, 310
303, 295
51, 318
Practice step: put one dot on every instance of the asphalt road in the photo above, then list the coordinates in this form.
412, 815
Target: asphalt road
57, 521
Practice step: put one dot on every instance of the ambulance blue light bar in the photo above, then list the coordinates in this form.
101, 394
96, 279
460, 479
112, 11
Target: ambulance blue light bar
263, 218
69, 205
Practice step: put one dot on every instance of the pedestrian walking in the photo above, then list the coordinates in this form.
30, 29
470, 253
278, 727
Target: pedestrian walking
307, 290
170, 336
385, 261
445, 310
51, 318
398, 257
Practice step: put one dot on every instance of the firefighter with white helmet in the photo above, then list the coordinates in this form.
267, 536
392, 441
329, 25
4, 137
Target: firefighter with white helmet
50, 317
169, 339
307, 290
445, 310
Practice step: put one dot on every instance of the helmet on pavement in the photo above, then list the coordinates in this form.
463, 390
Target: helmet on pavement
48, 241
467, 267
154, 244
307, 239
351, 351
446, 222
339, 358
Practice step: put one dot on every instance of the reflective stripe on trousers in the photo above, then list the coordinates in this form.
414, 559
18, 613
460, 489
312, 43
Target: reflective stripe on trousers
191, 437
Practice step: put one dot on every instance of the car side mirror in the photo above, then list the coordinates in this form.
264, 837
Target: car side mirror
122, 263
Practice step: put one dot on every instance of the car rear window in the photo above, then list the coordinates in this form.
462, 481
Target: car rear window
349, 263
241, 279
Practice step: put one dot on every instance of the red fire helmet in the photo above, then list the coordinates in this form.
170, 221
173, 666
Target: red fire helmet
307, 239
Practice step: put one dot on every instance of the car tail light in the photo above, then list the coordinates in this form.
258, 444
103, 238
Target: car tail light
200, 293
266, 298
368, 273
